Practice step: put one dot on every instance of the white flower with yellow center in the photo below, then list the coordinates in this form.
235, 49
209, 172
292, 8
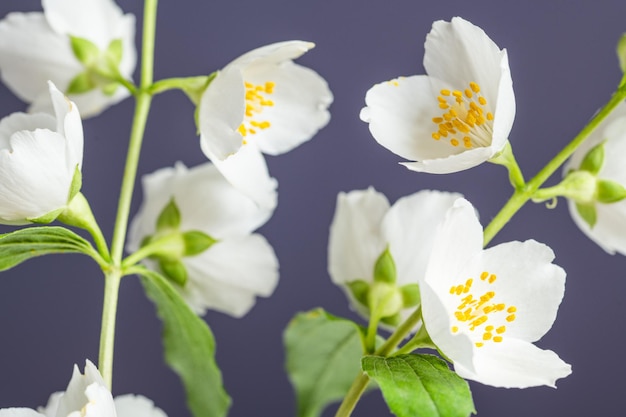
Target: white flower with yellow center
36, 47
87, 396
457, 116
483, 309
262, 102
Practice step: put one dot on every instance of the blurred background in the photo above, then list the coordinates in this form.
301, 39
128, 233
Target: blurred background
563, 64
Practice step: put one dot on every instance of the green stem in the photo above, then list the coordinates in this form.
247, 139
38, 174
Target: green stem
522, 195
421, 339
354, 394
113, 276
400, 333
107, 331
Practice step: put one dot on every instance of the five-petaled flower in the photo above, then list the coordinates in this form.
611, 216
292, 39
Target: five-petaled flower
71, 43
483, 309
87, 395
604, 222
457, 116
364, 228
239, 265
262, 102
40, 160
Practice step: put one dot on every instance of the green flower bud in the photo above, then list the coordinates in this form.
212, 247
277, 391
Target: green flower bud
360, 289
169, 219
385, 268
384, 299
174, 270
594, 159
410, 295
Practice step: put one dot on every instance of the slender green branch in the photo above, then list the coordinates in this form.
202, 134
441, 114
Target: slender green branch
107, 331
401, 332
354, 394
522, 195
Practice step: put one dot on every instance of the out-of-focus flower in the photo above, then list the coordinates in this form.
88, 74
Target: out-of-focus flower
228, 266
378, 253
262, 102
457, 116
40, 161
600, 161
87, 396
483, 309
82, 46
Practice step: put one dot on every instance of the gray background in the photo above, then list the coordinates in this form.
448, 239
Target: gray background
563, 66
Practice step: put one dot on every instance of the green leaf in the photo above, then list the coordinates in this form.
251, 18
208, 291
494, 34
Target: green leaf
420, 386
385, 268
609, 191
84, 50
21, 245
323, 353
593, 160
588, 213
189, 348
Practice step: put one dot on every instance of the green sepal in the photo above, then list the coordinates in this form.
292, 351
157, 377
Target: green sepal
77, 183
48, 217
189, 347
609, 191
359, 290
114, 53
109, 89
84, 50
418, 385
322, 358
169, 219
588, 213
621, 52
21, 245
385, 268
194, 87
197, 242
393, 320
81, 83
410, 295
594, 159
174, 270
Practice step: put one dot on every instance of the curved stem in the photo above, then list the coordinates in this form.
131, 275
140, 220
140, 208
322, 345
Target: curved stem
522, 195
107, 331
354, 394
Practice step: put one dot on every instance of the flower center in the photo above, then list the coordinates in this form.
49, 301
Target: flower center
256, 100
482, 312
465, 118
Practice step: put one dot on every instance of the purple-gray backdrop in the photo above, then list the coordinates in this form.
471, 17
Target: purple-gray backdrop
564, 67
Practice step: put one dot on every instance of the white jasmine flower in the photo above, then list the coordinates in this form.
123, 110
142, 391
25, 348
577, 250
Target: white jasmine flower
235, 269
40, 158
485, 308
365, 226
262, 102
36, 47
457, 116
609, 228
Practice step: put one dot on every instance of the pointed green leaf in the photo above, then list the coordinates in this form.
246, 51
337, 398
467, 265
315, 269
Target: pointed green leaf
323, 353
385, 268
609, 191
84, 50
593, 160
420, 386
588, 213
169, 217
21, 245
189, 348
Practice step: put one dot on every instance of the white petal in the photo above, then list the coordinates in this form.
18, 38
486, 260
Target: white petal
69, 124
50, 410
247, 171
515, 364
301, 99
22, 121
410, 227
31, 53
136, 406
229, 275
77, 394
19, 412
355, 242
221, 112
96, 20
274, 53
100, 403
452, 163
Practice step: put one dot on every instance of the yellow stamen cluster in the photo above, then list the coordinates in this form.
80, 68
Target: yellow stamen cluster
464, 113
475, 312
256, 100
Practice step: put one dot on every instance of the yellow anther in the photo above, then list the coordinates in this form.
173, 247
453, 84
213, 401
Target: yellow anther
492, 278
269, 87
484, 275
500, 307
443, 106
457, 93
475, 88
437, 120
489, 116
443, 133
468, 93
265, 124
252, 131
242, 130
497, 339
487, 336
501, 329
482, 100
445, 92
467, 142
441, 99
488, 309
455, 329
452, 113
510, 317
454, 142
489, 328
479, 321
479, 344
511, 309
447, 116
